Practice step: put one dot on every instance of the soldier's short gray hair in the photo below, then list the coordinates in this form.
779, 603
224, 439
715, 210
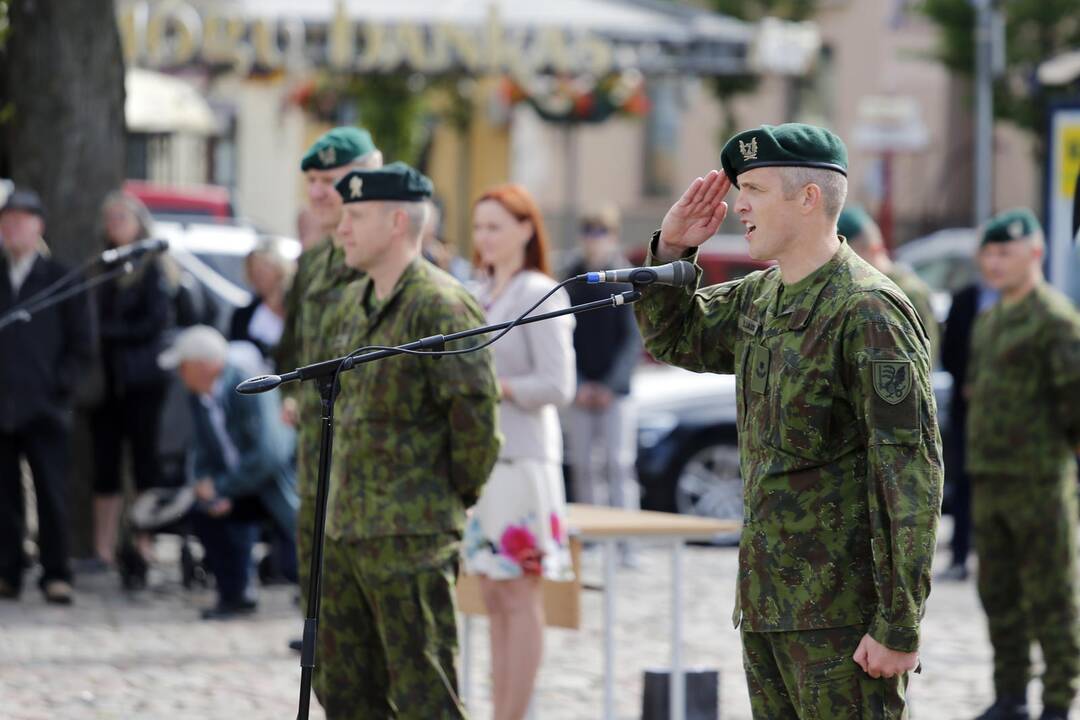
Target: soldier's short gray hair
416, 212
834, 186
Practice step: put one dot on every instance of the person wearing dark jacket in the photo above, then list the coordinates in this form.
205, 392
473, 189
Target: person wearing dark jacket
262, 321
243, 466
135, 313
601, 419
966, 305
40, 361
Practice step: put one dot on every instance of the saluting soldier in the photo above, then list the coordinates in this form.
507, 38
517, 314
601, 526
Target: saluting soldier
422, 440
1022, 435
313, 298
864, 237
837, 428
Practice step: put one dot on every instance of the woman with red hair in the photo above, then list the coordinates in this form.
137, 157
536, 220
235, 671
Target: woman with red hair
516, 534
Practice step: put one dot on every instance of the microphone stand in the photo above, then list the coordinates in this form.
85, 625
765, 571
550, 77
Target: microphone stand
325, 373
25, 314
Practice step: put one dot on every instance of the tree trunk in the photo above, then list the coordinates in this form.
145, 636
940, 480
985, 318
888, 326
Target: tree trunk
64, 76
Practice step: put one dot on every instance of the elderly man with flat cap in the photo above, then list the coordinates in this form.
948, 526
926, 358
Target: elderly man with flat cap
40, 361
1023, 433
311, 302
837, 428
421, 434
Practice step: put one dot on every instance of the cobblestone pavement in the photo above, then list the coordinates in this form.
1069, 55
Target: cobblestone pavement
113, 656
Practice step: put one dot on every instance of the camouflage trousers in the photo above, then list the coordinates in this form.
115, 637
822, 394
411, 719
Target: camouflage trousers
810, 675
1025, 538
388, 633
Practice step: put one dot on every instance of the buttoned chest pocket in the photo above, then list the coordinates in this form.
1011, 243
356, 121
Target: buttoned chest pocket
800, 397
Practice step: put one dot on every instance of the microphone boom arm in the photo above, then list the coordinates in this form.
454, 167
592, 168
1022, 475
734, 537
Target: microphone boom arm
327, 368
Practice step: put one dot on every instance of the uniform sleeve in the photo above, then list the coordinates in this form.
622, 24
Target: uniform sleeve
551, 348
691, 329
1064, 356
287, 354
888, 374
465, 386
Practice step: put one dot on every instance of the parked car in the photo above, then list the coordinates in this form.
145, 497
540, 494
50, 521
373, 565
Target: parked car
688, 454
213, 254
167, 201
945, 260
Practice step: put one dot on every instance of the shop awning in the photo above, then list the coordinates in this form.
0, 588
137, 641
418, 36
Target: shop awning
158, 103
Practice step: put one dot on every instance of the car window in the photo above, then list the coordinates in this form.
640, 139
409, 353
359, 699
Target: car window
230, 267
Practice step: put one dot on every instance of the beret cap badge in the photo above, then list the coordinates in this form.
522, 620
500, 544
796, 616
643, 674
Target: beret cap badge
356, 187
749, 150
328, 156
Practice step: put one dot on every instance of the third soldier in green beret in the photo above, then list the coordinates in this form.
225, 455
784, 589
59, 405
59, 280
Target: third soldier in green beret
838, 435
422, 440
1022, 435
864, 237
310, 305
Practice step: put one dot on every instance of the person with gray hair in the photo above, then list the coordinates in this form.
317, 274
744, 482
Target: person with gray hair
262, 321
242, 465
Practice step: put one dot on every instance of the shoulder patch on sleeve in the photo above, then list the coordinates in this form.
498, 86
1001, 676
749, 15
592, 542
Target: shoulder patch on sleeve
892, 380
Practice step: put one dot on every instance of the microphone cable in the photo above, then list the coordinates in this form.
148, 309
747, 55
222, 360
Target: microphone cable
360, 352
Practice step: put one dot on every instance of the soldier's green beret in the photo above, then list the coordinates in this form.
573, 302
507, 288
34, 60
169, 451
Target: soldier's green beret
788, 145
396, 181
1010, 225
853, 221
338, 147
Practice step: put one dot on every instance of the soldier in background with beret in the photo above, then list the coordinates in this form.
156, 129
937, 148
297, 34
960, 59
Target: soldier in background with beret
837, 424
421, 441
864, 237
312, 299
1022, 435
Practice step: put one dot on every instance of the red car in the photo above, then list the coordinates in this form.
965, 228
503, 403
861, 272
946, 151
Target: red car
202, 201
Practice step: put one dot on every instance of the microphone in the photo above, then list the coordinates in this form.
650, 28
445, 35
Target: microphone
260, 384
113, 256
679, 273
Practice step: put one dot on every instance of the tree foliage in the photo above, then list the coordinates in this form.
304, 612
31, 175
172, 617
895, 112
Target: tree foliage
1035, 30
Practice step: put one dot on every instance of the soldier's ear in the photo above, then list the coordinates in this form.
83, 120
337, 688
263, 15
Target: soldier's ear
810, 198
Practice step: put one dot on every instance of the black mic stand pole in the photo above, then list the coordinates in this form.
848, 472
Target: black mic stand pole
24, 314
326, 373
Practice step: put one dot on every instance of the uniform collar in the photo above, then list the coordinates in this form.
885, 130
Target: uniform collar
800, 298
408, 277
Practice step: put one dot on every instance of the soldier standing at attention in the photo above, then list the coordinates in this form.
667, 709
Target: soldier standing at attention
837, 428
314, 295
1022, 435
422, 440
864, 237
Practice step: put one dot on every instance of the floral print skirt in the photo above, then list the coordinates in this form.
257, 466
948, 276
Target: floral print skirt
518, 527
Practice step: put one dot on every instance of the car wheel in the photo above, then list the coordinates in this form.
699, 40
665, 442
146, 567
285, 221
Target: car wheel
709, 484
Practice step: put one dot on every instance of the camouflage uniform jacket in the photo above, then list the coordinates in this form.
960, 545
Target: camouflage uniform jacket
1024, 378
310, 315
419, 434
919, 294
838, 440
